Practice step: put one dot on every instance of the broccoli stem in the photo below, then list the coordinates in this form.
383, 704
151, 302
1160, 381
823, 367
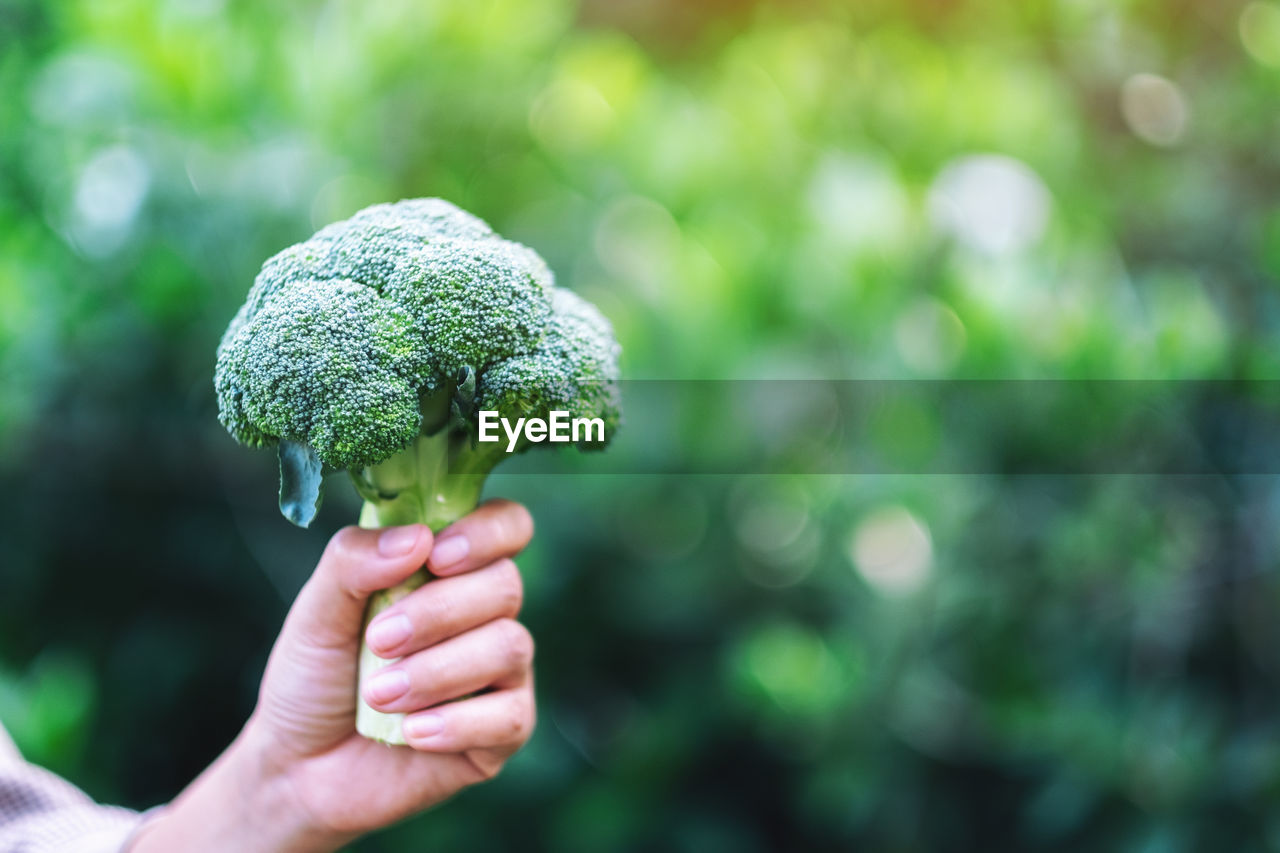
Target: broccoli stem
435, 481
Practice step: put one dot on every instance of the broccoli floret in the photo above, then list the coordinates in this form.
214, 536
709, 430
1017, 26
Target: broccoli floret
373, 346
572, 369
341, 333
326, 365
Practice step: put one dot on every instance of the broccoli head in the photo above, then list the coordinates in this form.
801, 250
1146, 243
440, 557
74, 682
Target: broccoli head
394, 326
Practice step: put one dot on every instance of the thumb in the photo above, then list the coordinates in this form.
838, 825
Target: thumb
329, 611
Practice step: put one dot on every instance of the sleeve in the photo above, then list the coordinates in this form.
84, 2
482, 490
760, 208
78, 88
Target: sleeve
42, 813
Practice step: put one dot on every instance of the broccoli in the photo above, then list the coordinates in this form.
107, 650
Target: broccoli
374, 345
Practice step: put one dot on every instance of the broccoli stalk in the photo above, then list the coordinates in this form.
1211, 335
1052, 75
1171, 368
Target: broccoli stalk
421, 484
434, 481
372, 346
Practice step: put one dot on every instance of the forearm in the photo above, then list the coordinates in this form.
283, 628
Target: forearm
239, 803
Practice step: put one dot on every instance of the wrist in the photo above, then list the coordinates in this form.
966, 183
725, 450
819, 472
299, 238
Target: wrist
245, 802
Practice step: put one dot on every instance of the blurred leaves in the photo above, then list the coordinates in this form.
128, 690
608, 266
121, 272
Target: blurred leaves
46, 710
923, 190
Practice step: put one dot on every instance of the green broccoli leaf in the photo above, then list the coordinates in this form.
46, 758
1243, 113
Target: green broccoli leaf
301, 482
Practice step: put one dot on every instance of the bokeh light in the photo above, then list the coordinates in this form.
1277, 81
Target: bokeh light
892, 551
991, 203
1154, 108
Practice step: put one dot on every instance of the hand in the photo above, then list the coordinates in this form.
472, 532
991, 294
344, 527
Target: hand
299, 777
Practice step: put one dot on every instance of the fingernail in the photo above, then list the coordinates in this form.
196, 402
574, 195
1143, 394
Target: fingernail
388, 685
398, 541
450, 550
387, 632
423, 725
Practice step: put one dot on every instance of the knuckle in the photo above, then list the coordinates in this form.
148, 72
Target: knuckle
513, 525
520, 723
517, 643
343, 556
517, 726
343, 545
435, 608
510, 586
488, 766
521, 521
427, 669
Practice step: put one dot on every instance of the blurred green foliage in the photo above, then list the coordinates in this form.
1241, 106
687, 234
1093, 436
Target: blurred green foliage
931, 189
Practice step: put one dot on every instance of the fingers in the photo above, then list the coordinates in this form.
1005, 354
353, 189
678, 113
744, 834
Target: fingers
497, 528
360, 562
498, 654
330, 608
446, 608
501, 721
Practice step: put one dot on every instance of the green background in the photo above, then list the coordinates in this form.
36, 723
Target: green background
933, 189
